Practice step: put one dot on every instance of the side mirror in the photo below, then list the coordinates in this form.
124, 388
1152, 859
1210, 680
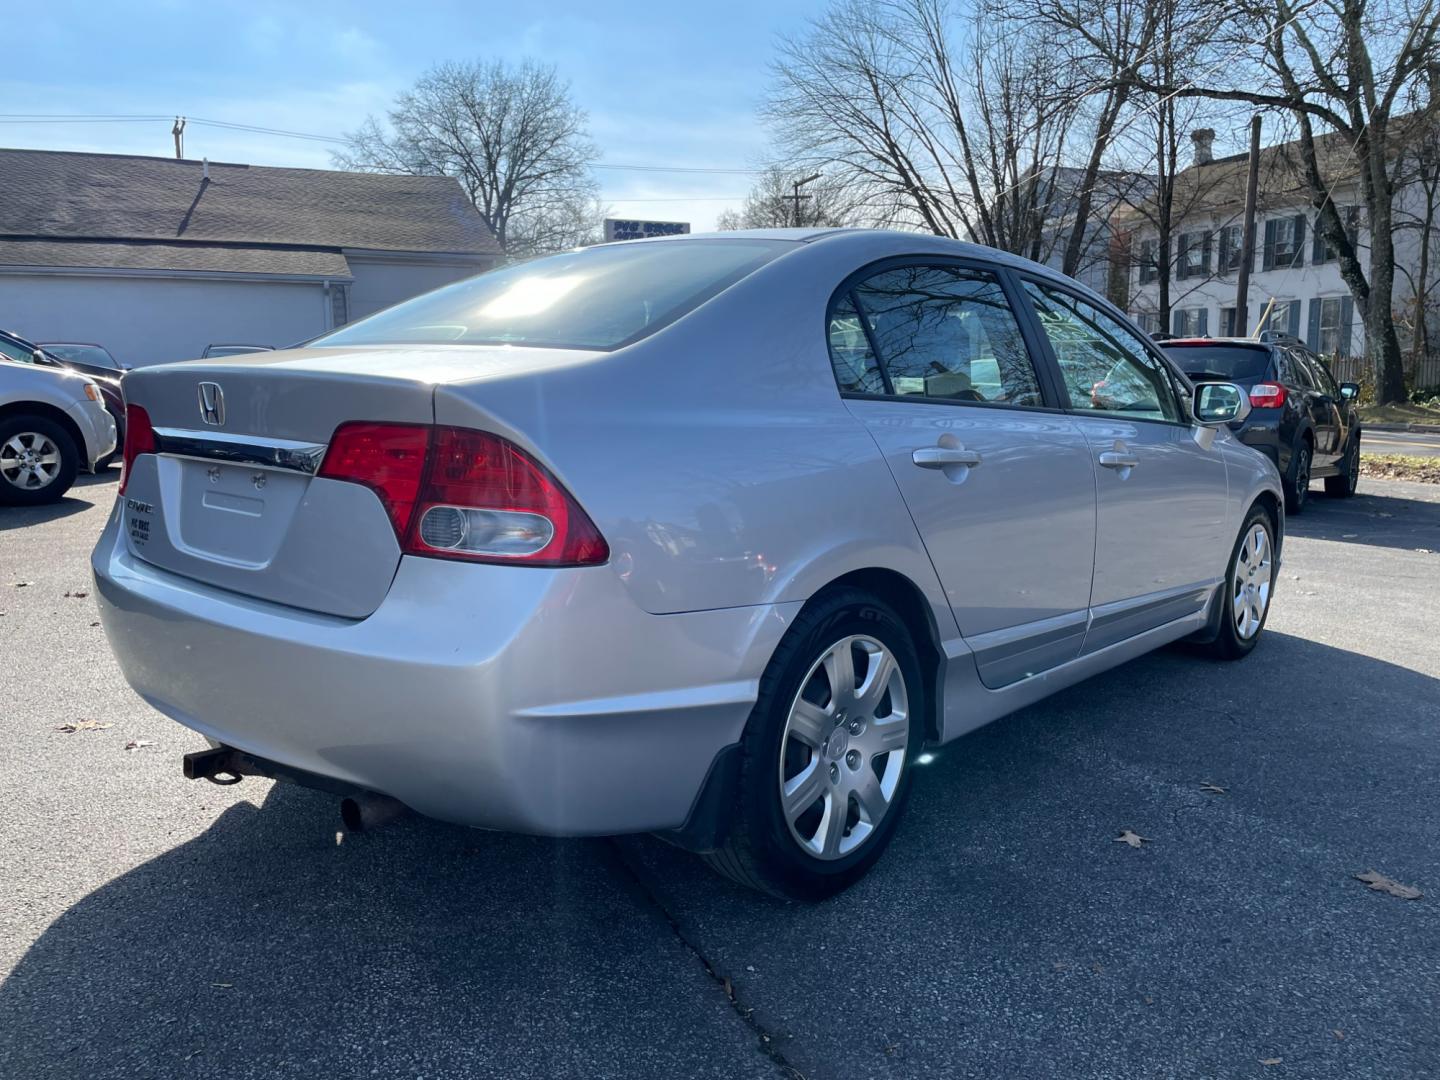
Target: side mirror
1218, 404
39, 357
1349, 391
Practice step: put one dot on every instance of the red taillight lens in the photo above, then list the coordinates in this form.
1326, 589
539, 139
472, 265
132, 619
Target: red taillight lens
1267, 395
462, 494
139, 439
387, 458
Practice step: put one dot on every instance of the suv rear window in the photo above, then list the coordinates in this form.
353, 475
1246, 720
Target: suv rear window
1230, 362
597, 298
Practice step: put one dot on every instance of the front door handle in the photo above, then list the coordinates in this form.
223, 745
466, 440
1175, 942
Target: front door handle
1116, 459
938, 457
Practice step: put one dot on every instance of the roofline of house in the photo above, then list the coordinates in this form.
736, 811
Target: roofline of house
187, 275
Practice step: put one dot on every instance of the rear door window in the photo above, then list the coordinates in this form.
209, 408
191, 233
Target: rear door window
948, 333
856, 369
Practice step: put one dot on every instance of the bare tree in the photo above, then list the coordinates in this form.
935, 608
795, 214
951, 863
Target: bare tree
771, 203
510, 134
955, 126
1342, 66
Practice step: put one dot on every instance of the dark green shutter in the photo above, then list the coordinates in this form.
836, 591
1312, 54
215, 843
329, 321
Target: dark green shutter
1313, 340
1299, 258
1317, 248
1269, 260
1347, 316
1294, 328
1175, 327
1204, 322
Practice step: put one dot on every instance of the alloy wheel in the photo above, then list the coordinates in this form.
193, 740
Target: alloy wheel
1250, 583
843, 748
29, 460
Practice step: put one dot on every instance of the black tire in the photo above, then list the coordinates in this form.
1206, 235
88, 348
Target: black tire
13, 491
760, 850
1297, 484
1344, 485
1230, 644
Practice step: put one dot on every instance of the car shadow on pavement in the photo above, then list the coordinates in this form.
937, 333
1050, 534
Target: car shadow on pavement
265, 947
1377, 520
1006, 933
76, 500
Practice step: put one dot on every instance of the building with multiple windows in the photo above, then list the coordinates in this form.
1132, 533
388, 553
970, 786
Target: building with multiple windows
1295, 283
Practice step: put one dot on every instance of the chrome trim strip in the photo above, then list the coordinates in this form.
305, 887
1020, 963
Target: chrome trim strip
287, 454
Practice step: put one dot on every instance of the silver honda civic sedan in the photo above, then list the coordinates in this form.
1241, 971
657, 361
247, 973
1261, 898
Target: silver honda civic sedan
704, 536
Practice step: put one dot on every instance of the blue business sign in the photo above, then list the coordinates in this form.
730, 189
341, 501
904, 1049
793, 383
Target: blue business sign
625, 229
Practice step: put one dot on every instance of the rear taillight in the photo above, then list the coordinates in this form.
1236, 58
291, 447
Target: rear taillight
139, 439
387, 458
463, 494
1267, 395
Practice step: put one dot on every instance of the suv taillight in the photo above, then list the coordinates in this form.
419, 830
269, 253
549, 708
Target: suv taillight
456, 493
139, 439
1267, 395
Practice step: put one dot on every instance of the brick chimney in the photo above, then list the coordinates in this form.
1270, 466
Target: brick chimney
1204, 140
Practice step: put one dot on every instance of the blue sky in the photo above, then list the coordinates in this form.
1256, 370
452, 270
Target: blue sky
663, 83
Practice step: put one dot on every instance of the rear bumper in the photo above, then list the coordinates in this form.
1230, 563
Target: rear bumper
530, 700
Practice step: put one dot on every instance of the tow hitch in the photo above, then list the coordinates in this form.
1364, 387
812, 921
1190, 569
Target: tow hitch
360, 810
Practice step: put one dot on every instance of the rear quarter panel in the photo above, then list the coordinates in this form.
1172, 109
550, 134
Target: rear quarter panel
717, 456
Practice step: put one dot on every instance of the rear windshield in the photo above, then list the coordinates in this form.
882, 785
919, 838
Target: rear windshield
1230, 362
597, 298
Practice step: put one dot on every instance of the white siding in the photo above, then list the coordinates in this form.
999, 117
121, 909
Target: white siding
380, 282
154, 320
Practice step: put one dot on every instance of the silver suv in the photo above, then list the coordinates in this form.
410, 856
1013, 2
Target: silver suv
53, 424
706, 536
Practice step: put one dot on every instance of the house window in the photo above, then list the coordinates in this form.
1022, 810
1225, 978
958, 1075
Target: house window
1227, 322
1190, 322
1330, 320
1232, 241
1284, 318
1350, 216
1149, 261
1285, 242
1192, 255
1149, 321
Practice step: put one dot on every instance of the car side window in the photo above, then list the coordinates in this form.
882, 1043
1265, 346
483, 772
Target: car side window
1300, 371
856, 369
1321, 375
948, 333
1105, 365
15, 352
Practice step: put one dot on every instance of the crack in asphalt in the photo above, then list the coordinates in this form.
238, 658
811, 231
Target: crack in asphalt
767, 1039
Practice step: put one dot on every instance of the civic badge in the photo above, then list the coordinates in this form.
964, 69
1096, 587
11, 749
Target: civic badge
212, 403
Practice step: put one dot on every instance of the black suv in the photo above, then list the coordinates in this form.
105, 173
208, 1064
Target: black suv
1301, 419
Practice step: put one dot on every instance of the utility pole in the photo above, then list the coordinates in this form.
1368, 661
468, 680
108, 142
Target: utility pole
797, 197
1247, 244
179, 132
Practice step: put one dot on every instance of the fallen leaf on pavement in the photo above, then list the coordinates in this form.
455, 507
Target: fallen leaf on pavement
78, 594
136, 744
1212, 789
1381, 883
1131, 838
83, 725
1271, 1061
22, 584
94, 624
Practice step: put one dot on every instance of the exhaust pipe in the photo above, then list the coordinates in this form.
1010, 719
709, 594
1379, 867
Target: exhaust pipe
368, 810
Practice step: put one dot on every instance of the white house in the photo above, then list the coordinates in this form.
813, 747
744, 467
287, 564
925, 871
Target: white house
1294, 276
156, 258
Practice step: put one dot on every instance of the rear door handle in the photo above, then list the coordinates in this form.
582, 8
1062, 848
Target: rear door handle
937, 457
1115, 459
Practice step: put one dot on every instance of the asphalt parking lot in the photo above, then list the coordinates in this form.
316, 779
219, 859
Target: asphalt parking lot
154, 927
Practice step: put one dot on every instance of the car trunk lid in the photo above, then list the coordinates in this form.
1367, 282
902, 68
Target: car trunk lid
231, 497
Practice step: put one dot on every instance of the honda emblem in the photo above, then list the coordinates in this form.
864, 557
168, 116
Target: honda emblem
212, 403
